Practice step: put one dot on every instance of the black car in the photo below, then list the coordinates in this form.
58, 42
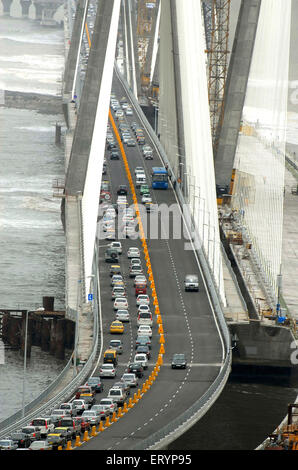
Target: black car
122, 190
21, 439
144, 350
114, 155
179, 361
95, 383
136, 368
111, 146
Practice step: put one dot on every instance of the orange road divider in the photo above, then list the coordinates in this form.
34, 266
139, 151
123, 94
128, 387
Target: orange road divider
162, 349
120, 414
59, 448
78, 441
86, 436
101, 426
68, 445
135, 398
107, 423
144, 388
160, 328
161, 339
130, 403
114, 419
139, 393
125, 409
93, 431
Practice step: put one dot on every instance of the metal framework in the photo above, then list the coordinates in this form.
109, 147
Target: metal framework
218, 19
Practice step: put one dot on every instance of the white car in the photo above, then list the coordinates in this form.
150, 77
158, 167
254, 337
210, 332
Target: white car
117, 246
146, 198
143, 308
139, 169
108, 403
118, 291
145, 330
80, 405
140, 279
120, 303
143, 299
135, 261
141, 359
145, 318
107, 370
133, 253
122, 315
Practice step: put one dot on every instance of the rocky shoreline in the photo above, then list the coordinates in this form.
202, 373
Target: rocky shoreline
44, 104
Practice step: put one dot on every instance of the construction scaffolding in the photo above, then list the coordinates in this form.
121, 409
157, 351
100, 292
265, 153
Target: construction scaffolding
217, 25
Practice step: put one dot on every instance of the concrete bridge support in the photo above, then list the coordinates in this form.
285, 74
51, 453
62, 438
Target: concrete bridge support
25, 4
6, 7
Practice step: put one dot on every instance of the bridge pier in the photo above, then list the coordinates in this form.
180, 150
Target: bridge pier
6, 7
25, 4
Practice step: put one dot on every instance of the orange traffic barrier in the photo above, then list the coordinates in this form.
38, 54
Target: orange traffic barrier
157, 311
93, 431
130, 403
78, 441
160, 328
162, 349
139, 393
162, 339
159, 360
60, 448
101, 426
144, 388
135, 398
114, 419
107, 422
125, 409
159, 320
120, 414
68, 445
86, 436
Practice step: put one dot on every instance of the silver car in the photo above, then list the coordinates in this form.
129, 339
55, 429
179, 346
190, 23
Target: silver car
191, 282
8, 444
40, 445
107, 370
108, 404
120, 303
130, 379
122, 315
117, 345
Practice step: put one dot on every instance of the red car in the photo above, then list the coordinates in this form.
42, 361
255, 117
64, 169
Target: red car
140, 289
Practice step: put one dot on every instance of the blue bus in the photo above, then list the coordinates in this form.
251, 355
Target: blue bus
159, 178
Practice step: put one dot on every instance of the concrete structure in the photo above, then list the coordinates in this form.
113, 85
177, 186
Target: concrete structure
236, 86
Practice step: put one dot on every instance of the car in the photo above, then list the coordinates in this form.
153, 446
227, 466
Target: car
139, 169
110, 357
33, 432
122, 190
117, 395
57, 438
111, 255
143, 340
117, 327
95, 383
115, 269
130, 379
92, 417
114, 155
144, 350
131, 143
123, 386
40, 445
108, 404
121, 303
140, 288
8, 444
118, 291
128, 112
111, 146
122, 315
45, 425
140, 279
144, 330
80, 406
135, 270
101, 411
144, 189
146, 198
126, 137
107, 370
116, 344
191, 282
117, 280
82, 423
117, 246
136, 368
86, 393
21, 439
57, 415
142, 299
179, 361
144, 319
135, 261
143, 307
142, 359
69, 407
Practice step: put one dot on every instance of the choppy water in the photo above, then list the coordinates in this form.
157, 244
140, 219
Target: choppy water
32, 239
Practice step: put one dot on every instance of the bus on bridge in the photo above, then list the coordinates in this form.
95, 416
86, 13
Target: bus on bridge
159, 177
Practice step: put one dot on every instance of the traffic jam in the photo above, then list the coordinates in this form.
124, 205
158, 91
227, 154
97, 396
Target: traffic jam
85, 415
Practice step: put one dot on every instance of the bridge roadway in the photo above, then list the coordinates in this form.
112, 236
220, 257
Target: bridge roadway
188, 321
